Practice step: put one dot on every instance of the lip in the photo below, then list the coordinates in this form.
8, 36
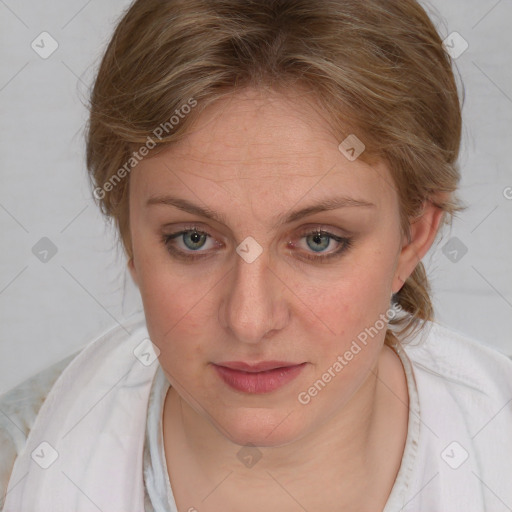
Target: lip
256, 367
262, 377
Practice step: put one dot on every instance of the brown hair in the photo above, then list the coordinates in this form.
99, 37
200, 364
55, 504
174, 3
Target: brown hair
377, 68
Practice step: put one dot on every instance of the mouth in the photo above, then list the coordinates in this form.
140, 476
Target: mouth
261, 377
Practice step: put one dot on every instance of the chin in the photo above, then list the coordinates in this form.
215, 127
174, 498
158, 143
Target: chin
261, 427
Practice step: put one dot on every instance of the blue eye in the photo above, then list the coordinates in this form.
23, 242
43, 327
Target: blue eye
193, 239
319, 240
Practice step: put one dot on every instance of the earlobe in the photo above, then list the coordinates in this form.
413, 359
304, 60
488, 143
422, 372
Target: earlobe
133, 270
423, 231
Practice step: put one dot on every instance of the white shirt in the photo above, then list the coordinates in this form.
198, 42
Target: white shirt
458, 453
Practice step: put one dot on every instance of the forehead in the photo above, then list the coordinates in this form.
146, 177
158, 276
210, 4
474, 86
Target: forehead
260, 145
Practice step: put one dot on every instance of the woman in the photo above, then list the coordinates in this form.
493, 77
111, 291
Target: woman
276, 170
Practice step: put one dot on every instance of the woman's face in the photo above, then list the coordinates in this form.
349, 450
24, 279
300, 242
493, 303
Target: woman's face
256, 284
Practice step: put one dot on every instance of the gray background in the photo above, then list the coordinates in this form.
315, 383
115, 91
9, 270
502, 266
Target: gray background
49, 309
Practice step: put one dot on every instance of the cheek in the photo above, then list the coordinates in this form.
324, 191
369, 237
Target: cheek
343, 305
168, 293
179, 318
172, 307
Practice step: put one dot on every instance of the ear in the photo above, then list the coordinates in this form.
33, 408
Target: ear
423, 231
133, 270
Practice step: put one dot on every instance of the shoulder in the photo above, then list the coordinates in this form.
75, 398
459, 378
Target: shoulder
20, 406
461, 360
18, 410
465, 393
462, 417
456, 373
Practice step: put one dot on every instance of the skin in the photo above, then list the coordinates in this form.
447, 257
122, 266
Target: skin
251, 157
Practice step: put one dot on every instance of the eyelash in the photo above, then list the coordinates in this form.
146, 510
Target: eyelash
346, 243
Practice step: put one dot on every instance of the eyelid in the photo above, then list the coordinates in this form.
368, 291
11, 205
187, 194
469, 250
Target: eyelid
303, 230
310, 228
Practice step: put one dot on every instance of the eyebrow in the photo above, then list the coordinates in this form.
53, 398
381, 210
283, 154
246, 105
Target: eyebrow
326, 204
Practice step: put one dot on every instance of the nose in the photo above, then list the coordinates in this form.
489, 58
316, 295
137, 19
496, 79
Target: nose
254, 306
